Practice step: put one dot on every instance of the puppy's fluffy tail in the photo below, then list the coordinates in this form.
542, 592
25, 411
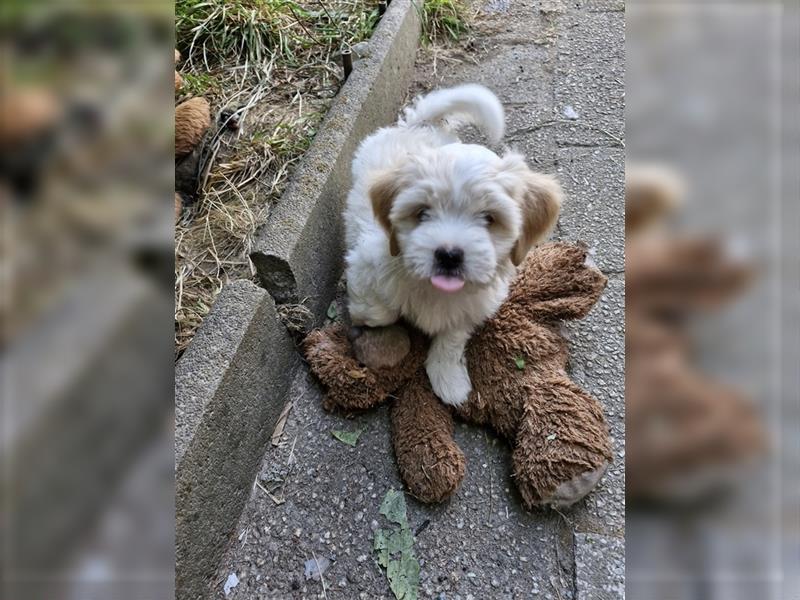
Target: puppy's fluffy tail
466, 103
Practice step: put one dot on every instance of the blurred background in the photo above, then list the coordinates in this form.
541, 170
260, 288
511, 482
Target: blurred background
86, 250
712, 412
86, 179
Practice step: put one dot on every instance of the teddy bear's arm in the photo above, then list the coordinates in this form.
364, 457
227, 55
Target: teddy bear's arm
557, 281
682, 274
348, 384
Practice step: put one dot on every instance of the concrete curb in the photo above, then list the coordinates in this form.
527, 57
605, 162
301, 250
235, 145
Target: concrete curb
298, 252
88, 386
229, 390
231, 383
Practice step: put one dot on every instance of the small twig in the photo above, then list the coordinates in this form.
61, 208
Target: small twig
299, 22
556, 588
325, 10
491, 483
563, 516
321, 578
520, 132
289, 471
423, 526
277, 501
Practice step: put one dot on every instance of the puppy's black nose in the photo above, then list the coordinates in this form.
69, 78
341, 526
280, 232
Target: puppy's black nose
449, 258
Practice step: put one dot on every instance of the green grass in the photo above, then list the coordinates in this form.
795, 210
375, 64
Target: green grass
277, 61
288, 139
444, 20
200, 84
224, 32
221, 31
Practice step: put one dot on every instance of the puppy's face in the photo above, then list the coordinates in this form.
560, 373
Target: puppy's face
457, 213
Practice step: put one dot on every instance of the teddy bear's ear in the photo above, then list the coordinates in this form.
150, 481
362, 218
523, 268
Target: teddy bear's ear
539, 197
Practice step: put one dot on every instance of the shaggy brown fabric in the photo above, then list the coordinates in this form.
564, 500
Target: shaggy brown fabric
686, 433
422, 434
517, 363
383, 347
192, 120
350, 385
676, 275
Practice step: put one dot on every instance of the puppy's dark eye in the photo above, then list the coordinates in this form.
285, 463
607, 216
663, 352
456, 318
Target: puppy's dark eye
422, 214
488, 218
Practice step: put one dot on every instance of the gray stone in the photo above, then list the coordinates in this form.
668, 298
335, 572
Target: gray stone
230, 387
88, 384
326, 483
298, 251
599, 567
590, 77
603, 5
594, 211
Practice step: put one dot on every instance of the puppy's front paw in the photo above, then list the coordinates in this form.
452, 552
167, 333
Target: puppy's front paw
450, 381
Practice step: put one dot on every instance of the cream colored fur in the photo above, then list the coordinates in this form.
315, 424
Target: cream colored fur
416, 188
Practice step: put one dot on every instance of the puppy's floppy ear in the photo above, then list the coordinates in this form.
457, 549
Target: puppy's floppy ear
382, 192
539, 196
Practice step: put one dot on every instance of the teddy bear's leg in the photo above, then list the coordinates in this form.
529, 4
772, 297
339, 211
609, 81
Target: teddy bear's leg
689, 436
562, 447
431, 464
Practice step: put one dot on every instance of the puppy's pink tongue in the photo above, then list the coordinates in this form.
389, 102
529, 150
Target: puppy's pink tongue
447, 284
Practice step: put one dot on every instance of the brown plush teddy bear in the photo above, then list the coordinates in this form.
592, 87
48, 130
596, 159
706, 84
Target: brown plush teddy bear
687, 434
517, 362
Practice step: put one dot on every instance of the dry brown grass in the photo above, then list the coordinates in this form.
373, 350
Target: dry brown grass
279, 104
275, 64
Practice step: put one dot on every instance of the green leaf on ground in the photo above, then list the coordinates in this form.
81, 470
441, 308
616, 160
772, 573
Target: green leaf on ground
403, 576
400, 541
382, 547
348, 437
520, 362
393, 507
332, 311
395, 548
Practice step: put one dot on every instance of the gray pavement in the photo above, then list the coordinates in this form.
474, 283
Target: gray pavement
558, 68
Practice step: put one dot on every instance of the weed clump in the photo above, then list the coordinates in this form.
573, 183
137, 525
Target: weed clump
444, 20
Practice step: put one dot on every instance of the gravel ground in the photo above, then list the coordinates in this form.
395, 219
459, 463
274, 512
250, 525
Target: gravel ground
558, 68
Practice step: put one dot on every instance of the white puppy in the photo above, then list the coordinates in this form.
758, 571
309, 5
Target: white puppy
435, 227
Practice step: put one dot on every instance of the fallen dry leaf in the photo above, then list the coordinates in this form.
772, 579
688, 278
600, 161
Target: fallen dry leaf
278, 432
